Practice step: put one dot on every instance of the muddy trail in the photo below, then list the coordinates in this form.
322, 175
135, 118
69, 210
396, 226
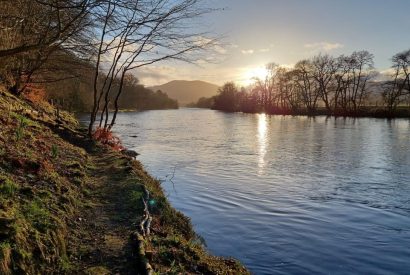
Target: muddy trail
100, 241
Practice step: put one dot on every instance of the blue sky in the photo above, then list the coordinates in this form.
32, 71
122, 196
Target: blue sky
257, 32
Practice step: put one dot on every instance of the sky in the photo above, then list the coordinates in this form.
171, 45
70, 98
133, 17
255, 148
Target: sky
256, 32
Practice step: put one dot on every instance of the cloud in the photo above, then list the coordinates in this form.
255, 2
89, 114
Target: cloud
389, 71
156, 74
211, 44
287, 66
261, 50
384, 75
250, 51
324, 46
202, 40
264, 50
219, 49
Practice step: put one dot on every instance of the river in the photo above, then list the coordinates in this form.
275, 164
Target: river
283, 194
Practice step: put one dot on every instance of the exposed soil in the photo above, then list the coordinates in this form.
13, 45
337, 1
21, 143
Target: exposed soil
100, 241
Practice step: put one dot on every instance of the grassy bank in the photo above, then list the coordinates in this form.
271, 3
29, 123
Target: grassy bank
68, 205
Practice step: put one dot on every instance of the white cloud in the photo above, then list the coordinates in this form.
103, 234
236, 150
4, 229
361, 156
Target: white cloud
261, 50
156, 74
219, 49
389, 71
202, 40
324, 46
287, 66
264, 50
250, 51
384, 75
212, 44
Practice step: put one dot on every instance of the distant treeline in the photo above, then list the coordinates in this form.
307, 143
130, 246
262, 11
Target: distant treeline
67, 80
341, 86
76, 94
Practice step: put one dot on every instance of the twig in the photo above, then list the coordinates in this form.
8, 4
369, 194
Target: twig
146, 221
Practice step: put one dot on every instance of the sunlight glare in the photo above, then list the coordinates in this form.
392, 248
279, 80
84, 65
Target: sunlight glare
262, 141
254, 73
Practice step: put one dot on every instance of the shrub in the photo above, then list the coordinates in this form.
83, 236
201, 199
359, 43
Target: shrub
106, 136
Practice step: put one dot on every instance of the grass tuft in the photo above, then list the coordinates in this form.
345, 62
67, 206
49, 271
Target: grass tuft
54, 151
38, 215
7, 187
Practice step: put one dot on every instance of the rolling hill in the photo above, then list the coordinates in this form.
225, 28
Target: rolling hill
187, 91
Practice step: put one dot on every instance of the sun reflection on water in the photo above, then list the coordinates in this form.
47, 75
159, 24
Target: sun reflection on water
262, 141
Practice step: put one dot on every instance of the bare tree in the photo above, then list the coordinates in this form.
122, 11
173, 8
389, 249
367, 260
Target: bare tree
288, 87
396, 89
324, 68
134, 34
361, 72
266, 87
351, 81
32, 31
35, 25
307, 85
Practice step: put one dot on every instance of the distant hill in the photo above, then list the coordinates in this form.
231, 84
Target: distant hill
187, 91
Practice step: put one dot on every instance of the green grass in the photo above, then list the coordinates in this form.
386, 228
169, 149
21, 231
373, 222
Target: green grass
4, 245
65, 264
19, 132
22, 124
38, 215
7, 187
135, 199
54, 151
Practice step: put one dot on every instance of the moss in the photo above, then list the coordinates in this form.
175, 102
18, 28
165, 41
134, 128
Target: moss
64, 264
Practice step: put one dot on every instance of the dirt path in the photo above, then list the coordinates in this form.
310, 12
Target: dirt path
100, 240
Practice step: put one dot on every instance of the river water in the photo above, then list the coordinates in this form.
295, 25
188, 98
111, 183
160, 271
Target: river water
283, 194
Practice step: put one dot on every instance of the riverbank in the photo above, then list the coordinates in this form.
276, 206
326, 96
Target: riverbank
371, 112
68, 205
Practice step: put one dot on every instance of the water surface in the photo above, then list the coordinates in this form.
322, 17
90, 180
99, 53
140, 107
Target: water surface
285, 195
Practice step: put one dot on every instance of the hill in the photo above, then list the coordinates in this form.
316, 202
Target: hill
187, 91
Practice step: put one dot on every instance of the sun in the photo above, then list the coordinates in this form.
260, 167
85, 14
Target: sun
251, 74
